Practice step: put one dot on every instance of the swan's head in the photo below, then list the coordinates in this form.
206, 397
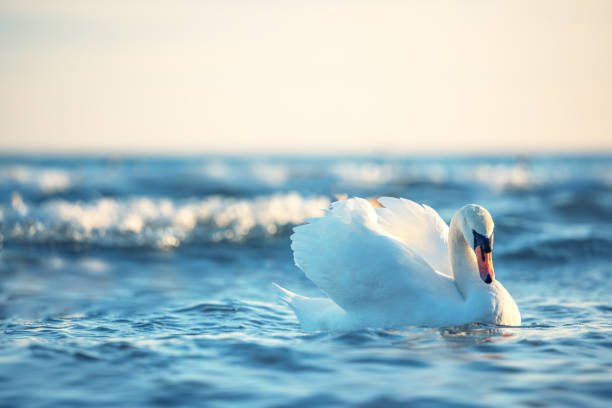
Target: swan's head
477, 227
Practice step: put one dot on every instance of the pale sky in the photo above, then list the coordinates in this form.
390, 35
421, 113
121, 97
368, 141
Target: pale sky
315, 76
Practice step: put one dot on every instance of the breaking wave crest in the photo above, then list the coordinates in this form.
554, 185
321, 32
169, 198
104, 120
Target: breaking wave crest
149, 222
42, 180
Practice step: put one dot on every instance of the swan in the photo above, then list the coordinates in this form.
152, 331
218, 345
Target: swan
397, 265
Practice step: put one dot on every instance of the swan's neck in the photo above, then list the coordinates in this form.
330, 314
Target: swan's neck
463, 261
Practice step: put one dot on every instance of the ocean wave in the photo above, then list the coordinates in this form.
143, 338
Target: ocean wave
561, 250
497, 176
368, 174
43, 180
260, 174
86, 179
149, 222
594, 205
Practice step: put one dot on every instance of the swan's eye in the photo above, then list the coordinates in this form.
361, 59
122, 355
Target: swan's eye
483, 242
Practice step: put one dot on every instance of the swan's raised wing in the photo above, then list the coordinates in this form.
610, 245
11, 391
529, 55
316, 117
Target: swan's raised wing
359, 265
419, 227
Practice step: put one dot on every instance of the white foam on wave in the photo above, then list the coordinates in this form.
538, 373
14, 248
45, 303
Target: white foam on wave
498, 177
143, 221
363, 173
267, 174
525, 175
501, 177
47, 180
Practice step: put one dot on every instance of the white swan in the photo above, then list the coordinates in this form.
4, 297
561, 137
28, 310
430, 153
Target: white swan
398, 265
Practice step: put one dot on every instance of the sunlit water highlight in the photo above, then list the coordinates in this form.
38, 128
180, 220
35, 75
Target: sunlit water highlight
139, 282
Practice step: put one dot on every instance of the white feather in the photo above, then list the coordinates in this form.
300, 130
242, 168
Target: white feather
376, 268
419, 227
314, 313
365, 270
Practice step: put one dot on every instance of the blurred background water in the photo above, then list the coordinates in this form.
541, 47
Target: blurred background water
147, 282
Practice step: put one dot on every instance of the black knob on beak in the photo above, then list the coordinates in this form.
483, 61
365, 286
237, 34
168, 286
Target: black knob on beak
483, 242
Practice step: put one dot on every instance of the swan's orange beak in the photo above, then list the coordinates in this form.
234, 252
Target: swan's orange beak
485, 265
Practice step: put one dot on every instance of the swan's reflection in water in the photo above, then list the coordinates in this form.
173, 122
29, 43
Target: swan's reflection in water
532, 333
476, 333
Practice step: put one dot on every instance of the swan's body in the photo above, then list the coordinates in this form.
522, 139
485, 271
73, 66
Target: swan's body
398, 265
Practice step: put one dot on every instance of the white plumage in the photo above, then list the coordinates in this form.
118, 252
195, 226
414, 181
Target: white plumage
389, 267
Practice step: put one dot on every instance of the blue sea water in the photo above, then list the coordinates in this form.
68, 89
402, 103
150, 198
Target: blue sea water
147, 282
